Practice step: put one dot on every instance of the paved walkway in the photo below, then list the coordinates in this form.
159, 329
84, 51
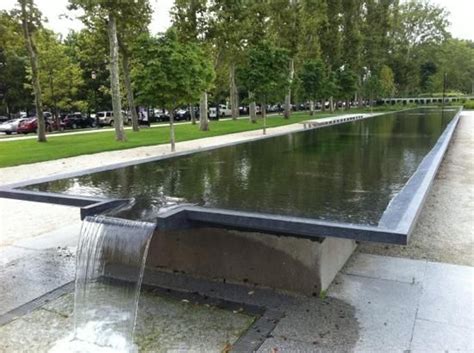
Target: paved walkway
444, 231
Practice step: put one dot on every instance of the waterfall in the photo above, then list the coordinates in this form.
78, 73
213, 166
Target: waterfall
104, 310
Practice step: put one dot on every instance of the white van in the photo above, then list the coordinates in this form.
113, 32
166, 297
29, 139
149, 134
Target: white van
223, 111
107, 118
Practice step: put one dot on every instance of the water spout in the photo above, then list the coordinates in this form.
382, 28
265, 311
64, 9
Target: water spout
105, 311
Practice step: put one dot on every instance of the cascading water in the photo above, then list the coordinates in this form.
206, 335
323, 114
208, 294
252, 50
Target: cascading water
105, 312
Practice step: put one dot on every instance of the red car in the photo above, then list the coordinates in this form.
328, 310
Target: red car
31, 125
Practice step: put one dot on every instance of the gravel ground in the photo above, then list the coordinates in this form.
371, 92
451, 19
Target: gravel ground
445, 229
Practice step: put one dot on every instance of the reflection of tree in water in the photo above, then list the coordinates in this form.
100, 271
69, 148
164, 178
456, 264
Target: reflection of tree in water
347, 172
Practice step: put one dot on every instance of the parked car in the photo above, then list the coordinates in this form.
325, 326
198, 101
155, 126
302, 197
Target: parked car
182, 114
185, 114
244, 110
3, 118
77, 120
106, 118
10, 126
223, 111
31, 125
161, 115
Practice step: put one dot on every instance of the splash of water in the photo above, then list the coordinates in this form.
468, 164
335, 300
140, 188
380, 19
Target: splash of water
104, 310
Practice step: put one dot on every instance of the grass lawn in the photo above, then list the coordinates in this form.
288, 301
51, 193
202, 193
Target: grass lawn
30, 151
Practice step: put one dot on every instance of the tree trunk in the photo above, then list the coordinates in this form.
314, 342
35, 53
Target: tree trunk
323, 105
128, 87
331, 104
311, 107
252, 109
172, 137
114, 79
203, 118
192, 114
287, 111
253, 112
32, 53
264, 116
234, 94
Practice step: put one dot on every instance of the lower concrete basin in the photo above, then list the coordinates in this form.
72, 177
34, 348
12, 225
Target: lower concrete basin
286, 263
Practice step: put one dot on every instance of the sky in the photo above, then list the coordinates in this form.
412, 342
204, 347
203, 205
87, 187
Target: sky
460, 15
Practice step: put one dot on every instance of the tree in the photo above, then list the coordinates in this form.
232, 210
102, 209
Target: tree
191, 22
371, 86
133, 19
312, 17
347, 83
171, 73
312, 78
331, 88
61, 78
387, 84
108, 10
352, 38
258, 16
377, 28
266, 74
418, 26
330, 33
88, 49
285, 29
14, 92
455, 58
228, 33
30, 21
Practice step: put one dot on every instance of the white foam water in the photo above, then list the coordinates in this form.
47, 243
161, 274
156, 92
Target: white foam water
105, 310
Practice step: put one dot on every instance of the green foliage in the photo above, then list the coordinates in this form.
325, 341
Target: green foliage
347, 83
189, 19
311, 14
266, 73
14, 95
352, 39
387, 83
313, 79
170, 73
61, 78
330, 33
469, 105
88, 49
405, 45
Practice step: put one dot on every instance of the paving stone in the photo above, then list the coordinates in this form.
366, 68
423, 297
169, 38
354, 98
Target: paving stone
62, 237
448, 294
33, 273
384, 267
329, 322
163, 325
429, 337
280, 345
35, 332
385, 311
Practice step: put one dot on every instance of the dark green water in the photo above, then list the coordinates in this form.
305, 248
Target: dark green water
347, 173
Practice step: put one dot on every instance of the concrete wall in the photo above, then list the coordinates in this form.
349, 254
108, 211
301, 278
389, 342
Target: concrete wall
286, 263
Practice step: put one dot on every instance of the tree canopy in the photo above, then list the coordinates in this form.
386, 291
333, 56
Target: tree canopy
364, 48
